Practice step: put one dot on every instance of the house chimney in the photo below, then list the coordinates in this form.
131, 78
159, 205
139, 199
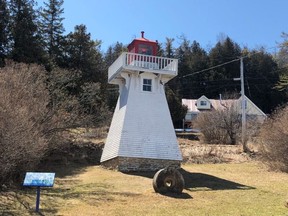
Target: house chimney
142, 34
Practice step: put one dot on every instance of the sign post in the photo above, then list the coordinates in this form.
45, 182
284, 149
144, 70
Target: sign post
38, 179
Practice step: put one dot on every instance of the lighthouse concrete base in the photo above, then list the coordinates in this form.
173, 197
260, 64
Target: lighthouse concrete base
130, 164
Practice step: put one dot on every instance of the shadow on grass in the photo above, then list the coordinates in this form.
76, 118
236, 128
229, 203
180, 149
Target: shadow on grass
65, 169
199, 182
178, 196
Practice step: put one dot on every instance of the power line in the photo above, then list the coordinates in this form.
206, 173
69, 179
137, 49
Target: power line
201, 71
225, 63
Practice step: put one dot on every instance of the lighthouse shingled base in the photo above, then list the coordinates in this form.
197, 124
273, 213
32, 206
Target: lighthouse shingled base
126, 164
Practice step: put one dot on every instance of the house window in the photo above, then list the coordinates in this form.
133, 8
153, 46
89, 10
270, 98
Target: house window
203, 103
147, 85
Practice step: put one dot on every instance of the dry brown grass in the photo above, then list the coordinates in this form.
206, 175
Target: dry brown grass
211, 189
194, 151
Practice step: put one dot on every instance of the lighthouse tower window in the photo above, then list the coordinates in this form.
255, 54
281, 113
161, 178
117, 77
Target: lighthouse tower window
145, 49
147, 85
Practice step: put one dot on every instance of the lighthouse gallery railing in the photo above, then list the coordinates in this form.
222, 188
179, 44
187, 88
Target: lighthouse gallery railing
134, 61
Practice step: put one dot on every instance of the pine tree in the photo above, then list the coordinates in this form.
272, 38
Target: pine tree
169, 51
27, 42
113, 52
261, 74
192, 58
84, 54
52, 28
4, 31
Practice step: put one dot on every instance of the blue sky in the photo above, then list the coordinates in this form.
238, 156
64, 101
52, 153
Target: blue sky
252, 23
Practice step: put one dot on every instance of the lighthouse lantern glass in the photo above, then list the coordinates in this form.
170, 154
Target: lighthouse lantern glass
145, 49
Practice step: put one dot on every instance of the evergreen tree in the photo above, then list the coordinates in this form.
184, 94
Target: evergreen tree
261, 74
177, 110
84, 54
192, 58
169, 51
194, 83
52, 28
27, 42
113, 52
112, 92
181, 54
4, 31
221, 78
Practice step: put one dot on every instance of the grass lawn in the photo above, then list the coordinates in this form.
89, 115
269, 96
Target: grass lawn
243, 189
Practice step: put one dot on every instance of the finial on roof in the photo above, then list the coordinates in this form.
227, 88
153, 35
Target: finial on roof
142, 34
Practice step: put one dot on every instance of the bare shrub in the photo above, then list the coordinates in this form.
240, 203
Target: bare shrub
220, 126
223, 126
23, 108
274, 140
33, 118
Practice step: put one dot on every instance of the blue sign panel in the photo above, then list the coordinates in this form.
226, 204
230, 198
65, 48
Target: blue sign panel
39, 179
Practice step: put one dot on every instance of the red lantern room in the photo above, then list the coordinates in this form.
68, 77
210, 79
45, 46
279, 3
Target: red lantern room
143, 46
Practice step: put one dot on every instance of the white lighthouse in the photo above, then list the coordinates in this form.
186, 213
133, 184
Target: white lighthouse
141, 136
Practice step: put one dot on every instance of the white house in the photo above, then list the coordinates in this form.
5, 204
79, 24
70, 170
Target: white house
202, 104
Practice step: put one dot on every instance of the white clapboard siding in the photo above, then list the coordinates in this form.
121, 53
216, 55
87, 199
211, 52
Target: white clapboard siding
141, 126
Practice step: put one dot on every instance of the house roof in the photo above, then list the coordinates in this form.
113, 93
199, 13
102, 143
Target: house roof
191, 105
220, 105
215, 104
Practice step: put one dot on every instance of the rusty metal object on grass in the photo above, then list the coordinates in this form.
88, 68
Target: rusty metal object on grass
168, 180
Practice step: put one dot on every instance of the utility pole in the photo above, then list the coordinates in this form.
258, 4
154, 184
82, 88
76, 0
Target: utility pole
243, 104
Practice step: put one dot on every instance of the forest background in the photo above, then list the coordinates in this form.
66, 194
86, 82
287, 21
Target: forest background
67, 75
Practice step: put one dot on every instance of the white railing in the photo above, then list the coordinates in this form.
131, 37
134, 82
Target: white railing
136, 61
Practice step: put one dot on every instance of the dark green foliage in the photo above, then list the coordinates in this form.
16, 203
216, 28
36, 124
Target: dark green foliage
177, 110
93, 103
261, 75
222, 77
4, 31
26, 39
192, 58
84, 54
113, 52
111, 93
52, 29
